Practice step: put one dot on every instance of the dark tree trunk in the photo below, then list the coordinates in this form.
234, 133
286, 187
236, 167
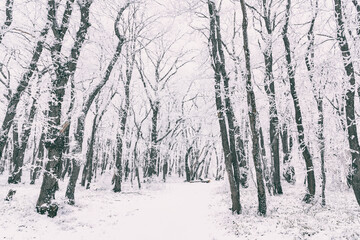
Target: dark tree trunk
227, 137
289, 170
318, 95
298, 116
274, 121
39, 159
266, 172
350, 97
17, 157
24, 82
70, 192
64, 71
117, 178
154, 136
241, 156
187, 169
9, 18
87, 170
253, 117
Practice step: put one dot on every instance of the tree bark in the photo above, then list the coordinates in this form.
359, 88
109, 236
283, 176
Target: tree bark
350, 97
228, 146
64, 71
24, 82
253, 117
298, 116
9, 18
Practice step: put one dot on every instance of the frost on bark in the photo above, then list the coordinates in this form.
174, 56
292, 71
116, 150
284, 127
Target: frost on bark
8, 20
227, 132
318, 95
298, 115
24, 81
79, 133
64, 70
350, 100
253, 117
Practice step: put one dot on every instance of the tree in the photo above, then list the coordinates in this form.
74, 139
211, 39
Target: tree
253, 116
227, 133
298, 116
26, 77
64, 70
269, 20
165, 67
350, 97
70, 191
318, 95
9, 18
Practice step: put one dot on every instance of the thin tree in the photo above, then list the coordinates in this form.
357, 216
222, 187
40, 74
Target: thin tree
227, 133
9, 18
298, 116
26, 77
253, 116
79, 133
350, 97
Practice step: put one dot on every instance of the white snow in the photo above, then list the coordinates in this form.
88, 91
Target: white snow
176, 210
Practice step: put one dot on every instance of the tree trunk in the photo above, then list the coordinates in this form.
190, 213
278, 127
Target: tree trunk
64, 71
241, 157
9, 18
318, 95
253, 117
289, 170
228, 145
298, 116
24, 82
350, 97
187, 169
267, 173
154, 133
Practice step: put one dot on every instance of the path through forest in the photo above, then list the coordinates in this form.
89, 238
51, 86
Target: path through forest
174, 210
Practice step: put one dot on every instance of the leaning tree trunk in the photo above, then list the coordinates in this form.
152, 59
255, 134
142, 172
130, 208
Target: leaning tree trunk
20, 147
350, 97
228, 105
87, 170
24, 82
228, 147
298, 116
253, 116
9, 18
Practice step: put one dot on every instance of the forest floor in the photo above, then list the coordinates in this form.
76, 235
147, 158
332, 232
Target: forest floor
176, 210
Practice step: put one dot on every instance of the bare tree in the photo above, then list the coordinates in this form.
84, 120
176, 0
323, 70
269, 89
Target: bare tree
64, 70
350, 97
24, 82
253, 116
70, 191
9, 18
298, 116
227, 133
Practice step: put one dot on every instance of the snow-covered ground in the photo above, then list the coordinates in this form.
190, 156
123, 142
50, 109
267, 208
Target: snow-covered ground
176, 210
